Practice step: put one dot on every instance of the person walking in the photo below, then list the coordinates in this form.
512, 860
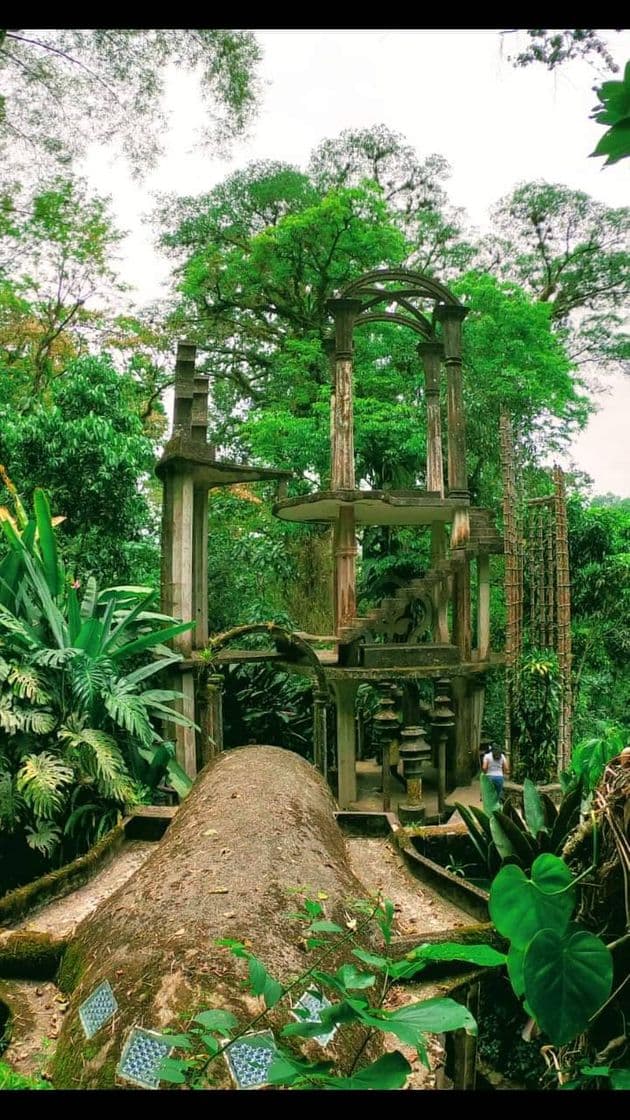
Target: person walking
496, 768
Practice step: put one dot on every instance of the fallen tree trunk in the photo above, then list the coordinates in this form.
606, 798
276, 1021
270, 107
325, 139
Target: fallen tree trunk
255, 834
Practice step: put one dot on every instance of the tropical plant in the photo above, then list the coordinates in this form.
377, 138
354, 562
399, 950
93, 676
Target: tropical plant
563, 972
499, 835
77, 741
352, 994
535, 716
589, 759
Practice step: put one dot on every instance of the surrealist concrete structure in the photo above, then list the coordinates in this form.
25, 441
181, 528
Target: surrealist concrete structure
435, 628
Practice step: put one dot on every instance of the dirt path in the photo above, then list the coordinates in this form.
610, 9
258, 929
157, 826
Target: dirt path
38, 1008
419, 910
61, 916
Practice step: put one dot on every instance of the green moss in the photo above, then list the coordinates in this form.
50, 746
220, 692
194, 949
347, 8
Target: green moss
30, 956
71, 969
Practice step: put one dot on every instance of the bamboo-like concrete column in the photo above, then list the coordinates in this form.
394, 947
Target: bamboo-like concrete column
563, 599
344, 312
184, 553
451, 317
483, 606
431, 354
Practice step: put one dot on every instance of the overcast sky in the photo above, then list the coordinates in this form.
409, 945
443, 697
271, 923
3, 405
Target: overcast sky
450, 92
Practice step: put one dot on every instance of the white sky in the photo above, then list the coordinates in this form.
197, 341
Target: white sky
451, 92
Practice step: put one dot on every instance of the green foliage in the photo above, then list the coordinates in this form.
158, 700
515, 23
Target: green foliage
9, 1079
211, 1033
506, 835
563, 972
535, 716
88, 435
590, 758
614, 110
77, 741
65, 89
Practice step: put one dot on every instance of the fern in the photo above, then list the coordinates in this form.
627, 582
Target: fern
41, 779
44, 838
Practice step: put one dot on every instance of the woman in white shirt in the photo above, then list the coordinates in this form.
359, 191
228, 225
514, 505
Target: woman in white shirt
496, 767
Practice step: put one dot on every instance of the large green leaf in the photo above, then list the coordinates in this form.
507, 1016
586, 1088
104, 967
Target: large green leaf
146, 641
47, 542
515, 970
262, 984
474, 831
216, 1019
489, 795
567, 978
534, 808
432, 1016
520, 907
511, 839
388, 1072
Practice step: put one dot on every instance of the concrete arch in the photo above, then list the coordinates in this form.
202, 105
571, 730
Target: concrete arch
321, 693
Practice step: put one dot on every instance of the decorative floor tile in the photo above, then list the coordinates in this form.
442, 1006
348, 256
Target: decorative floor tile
249, 1059
314, 1002
97, 1009
142, 1056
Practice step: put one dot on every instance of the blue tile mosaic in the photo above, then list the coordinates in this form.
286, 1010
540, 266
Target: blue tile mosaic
249, 1059
97, 1009
142, 1056
314, 1003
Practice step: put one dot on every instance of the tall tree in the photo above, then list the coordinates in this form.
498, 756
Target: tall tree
85, 443
55, 256
64, 89
571, 252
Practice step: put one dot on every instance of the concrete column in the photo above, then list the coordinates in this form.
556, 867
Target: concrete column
345, 692
483, 605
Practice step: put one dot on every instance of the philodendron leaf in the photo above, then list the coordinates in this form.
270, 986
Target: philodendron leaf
515, 970
520, 907
567, 978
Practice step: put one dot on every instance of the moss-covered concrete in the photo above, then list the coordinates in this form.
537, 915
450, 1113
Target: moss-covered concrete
26, 955
256, 832
16, 904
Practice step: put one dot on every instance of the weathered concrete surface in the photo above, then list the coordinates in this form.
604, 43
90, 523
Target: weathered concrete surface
256, 830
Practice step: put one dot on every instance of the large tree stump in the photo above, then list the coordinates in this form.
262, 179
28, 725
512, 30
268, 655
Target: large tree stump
256, 830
